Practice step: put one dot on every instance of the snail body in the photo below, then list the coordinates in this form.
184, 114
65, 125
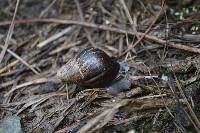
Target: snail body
92, 67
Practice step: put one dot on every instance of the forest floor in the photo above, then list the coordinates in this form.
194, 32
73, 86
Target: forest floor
157, 42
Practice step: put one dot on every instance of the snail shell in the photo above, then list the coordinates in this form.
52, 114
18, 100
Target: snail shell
92, 67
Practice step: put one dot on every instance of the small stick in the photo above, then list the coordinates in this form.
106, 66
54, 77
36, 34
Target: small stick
83, 20
55, 36
22, 60
146, 32
37, 81
47, 8
133, 25
10, 32
106, 28
193, 115
9, 66
64, 47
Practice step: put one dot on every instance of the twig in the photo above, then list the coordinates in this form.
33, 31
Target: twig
64, 47
146, 32
9, 66
37, 81
10, 32
55, 36
188, 104
106, 28
20, 59
8, 83
103, 118
38, 99
83, 20
47, 8
129, 18
61, 6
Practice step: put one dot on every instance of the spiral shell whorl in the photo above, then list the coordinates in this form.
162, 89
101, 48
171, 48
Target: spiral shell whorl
68, 71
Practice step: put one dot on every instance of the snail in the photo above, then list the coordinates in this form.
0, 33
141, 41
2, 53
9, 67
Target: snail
120, 85
92, 67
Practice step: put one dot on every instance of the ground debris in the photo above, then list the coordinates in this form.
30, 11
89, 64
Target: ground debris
156, 43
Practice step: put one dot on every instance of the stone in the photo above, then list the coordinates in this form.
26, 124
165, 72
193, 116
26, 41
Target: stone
11, 125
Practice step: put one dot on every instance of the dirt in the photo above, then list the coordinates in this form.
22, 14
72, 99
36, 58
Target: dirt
157, 41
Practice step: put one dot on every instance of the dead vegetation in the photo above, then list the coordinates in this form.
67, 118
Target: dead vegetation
159, 40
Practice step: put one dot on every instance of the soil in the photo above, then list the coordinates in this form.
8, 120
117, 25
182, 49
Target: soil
156, 43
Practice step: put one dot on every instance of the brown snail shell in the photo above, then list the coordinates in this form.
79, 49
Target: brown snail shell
92, 67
